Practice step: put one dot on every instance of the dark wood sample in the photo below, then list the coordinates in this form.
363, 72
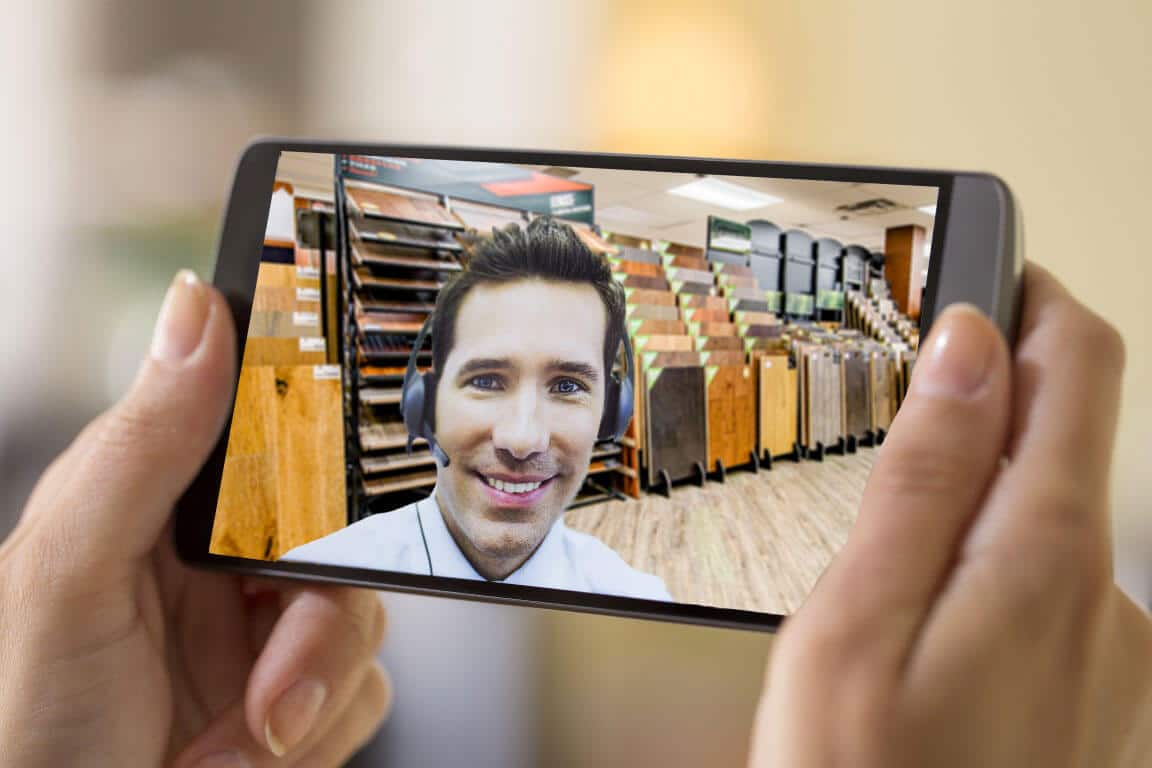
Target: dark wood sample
365, 279
676, 420
641, 255
731, 414
777, 405
719, 343
671, 359
387, 347
680, 274
882, 389
857, 419
649, 327
698, 289
401, 240
397, 207
751, 331
646, 283
390, 462
377, 258
707, 315
657, 298
702, 302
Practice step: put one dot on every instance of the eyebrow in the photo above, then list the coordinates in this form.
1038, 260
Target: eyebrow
502, 364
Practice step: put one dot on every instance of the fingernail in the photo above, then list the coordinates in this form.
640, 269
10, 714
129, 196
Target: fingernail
293, 715
958, 355
182, 319
223, 760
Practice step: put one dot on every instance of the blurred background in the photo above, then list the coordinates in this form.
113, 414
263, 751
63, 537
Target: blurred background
123, 119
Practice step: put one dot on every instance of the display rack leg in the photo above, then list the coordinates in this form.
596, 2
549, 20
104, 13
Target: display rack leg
666, 483
701, 474
755, 462
880, 435
818, 453
869, 439
721, 474
767, 463
851, 443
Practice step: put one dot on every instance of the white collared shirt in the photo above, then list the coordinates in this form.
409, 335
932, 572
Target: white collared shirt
394, 541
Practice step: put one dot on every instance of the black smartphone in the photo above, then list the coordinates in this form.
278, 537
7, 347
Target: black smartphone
634, 385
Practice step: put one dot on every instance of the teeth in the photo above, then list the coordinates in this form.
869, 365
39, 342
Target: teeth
500, 485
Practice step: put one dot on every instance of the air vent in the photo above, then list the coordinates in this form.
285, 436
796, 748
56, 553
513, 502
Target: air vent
869, 207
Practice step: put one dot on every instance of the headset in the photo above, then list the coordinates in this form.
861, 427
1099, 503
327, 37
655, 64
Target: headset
418, 398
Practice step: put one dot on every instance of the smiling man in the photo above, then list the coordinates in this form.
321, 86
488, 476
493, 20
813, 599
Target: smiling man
523, 344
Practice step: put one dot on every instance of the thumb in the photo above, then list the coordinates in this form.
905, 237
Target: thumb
108, 497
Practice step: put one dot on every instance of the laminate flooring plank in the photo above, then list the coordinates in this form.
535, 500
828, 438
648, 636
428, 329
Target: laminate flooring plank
637, 268
656, 298
689, 301
665, 327
311, 494
756, 542
686, 262
283, 324
676, 419
719, 343
701, 315
664, 343
259, 350
651, 312
281, 299
644, 283
695, 289
856, 395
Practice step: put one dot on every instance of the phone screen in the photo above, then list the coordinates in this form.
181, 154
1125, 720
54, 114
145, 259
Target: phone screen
665, 386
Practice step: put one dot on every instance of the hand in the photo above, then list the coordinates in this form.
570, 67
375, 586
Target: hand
114, 653
971, 619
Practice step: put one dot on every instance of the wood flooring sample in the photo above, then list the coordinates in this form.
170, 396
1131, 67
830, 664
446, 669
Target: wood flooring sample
676, 420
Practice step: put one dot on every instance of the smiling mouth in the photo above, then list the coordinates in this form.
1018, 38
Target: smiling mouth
505, 486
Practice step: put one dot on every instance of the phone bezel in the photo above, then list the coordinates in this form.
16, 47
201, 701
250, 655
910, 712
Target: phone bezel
977, 232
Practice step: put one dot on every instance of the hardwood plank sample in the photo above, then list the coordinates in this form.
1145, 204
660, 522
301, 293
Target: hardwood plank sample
650, 327
646, 283
376, 202
856, 396
725, 357
391, 322
264, 350
713, 329
756, 331
365, 279
311, 496
641, 255
380, 395
686, 262
702, 302
676, 421
270, 275
671, 359
393, 483
881, 389
651, 312
282, 324
707, 316
731, 414
390, 462
404, 261
719, 343
656, 298
733, 270
697, 289
637, 268
663, 343
747, 317
737, 281
370, 305
748, 305
381, 435
280, 299
683, 275
778, 413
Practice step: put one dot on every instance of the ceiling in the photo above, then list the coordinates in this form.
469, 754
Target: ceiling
637, 202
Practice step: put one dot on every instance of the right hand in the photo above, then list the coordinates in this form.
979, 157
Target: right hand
971, 619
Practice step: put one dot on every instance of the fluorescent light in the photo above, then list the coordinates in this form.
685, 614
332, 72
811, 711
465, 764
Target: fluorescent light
724, 194
928, 209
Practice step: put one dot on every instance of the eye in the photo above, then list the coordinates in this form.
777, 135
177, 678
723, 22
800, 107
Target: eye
568, 387
486, 381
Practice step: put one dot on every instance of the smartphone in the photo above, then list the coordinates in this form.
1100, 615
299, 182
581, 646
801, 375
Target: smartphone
643, 386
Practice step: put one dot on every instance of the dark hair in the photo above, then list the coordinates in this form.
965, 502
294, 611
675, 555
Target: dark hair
545, 249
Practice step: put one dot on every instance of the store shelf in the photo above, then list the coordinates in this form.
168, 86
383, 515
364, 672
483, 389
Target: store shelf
374, 465
376, 203
380, 487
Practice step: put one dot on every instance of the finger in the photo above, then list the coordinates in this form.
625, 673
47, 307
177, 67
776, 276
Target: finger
323, 638
228, 741
928, 480
126, 469
1067, 379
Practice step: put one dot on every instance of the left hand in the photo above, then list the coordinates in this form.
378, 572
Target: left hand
115, 653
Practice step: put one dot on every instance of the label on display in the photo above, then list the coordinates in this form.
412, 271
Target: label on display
307, 294
307, 272
325, 372
312, 344
305, 318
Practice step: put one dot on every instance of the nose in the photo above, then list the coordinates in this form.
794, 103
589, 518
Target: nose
521, 430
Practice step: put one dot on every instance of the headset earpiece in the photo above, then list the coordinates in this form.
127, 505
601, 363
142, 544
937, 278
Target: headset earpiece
418, 399
619, 398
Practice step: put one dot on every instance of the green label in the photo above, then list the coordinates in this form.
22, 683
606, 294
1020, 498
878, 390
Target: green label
641, 341
705, 357
710, 373
653, 375
634, 325
649, 358
799, 303
694, 329
773, 298
830, 300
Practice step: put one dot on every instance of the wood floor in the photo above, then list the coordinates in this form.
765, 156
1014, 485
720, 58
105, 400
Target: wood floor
756, 542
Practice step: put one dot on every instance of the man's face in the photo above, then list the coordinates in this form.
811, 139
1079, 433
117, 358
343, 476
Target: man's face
518, 408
